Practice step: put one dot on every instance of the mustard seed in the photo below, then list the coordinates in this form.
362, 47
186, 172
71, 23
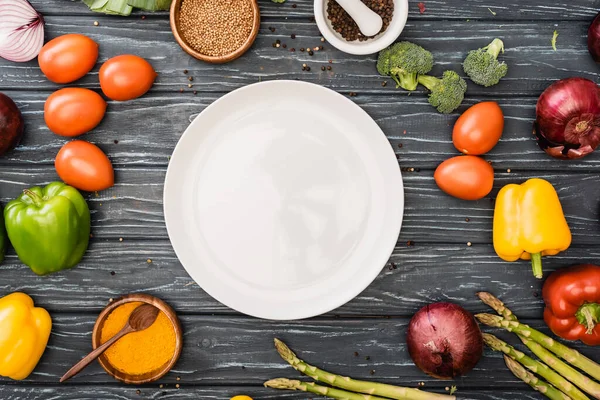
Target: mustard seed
216, 28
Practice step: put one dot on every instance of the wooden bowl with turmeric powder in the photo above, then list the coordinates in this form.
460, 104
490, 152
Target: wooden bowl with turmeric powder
215, 31
139, 357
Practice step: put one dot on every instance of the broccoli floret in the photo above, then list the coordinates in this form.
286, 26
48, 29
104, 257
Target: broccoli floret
482, 65
447, 93
383, 62
404, 61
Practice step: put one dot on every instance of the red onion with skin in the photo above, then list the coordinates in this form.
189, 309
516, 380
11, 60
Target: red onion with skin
444, 340
567, 121
21, 30
594, 38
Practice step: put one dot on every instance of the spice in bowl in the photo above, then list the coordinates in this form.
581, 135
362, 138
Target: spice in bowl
142, 352
216, 28
343, 24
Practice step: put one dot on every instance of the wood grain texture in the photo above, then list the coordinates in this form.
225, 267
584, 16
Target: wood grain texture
145, 132
438, 9
414, 276
205, 393
533, 65
239, 350
133, 208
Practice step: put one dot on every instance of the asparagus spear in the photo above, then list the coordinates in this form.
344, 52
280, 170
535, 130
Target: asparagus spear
311, 387
533, 381
573, 357
586, 384
535, 366
373, 388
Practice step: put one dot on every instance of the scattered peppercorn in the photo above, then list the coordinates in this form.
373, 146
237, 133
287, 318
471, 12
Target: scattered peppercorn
216, 28
384, 83
138, 391
195, 92
356, 354
372, 372
343, 24
330, 61
294, 6
293, 36
292, 49
508, 170
400, 145
181, 90
329, 68
96, 23
178, 378
112, 273
116, 141
323, 68
469, 244
143, 17
301, 48
120, 239
308, 68
467, 219
190, 78
284, 45
272, 29
322, 39
185, 71
410, 243
190, 85
310, 53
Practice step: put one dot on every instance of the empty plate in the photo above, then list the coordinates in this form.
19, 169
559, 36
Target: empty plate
283, 200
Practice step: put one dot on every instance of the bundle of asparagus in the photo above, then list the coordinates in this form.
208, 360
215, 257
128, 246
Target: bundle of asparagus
347, 388
563, 381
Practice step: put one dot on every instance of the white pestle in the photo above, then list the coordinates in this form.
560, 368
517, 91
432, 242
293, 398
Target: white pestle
368, 21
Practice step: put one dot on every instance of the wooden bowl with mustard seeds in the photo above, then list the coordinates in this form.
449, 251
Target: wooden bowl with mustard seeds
139, 357
215, 31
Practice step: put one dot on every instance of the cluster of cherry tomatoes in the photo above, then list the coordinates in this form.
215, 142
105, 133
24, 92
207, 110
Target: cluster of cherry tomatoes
476, 132
71, 112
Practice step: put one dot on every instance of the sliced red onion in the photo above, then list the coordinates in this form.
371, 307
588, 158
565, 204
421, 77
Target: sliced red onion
21, 30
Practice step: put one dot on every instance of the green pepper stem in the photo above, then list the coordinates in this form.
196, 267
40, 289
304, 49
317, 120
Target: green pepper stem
36, 198
536, 264
588, 315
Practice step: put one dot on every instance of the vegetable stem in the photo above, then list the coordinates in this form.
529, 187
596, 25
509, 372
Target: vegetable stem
495, 48
311, 387
535, 366
536, 264
533, 381
35, 198
373, 388
571, 356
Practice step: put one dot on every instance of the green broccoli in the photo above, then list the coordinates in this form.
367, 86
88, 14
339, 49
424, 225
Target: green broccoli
482, 65
404, 61
447, 93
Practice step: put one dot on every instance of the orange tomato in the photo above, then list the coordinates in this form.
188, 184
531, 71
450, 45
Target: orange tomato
126, 77
465, 177
73, 111
479, 129
67, 58
84, 166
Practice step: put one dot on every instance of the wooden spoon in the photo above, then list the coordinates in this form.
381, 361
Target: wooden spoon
141, 318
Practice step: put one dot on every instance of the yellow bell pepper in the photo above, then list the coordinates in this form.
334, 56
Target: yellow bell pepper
529, 223
24, 333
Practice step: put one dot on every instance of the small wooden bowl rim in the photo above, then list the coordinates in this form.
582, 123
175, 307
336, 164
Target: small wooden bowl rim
174, 17
162, 306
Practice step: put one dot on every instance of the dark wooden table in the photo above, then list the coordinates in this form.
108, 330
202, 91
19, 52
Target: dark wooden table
227, 353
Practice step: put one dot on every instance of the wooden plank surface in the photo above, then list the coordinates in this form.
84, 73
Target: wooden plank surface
533, 64
226, 353
239, 350
132, 135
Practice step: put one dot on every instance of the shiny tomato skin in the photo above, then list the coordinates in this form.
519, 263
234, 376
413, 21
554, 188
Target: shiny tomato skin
479, 128
465, 177
68, 57
126, 77
73, 111
84, 166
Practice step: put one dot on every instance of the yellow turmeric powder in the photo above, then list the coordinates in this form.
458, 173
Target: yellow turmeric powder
140, 352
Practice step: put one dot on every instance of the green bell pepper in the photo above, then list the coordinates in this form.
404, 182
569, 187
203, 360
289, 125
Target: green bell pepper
2, 237
49, 227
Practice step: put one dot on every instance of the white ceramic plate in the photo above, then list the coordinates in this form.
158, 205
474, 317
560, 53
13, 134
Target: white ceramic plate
283, 200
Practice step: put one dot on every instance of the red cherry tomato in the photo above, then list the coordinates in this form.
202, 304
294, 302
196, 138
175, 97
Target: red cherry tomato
73, 111
84, 166
126, 77
479, 129
68, 58
465, 177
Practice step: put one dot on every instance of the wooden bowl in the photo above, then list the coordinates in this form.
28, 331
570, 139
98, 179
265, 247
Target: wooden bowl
176, 7
151, 376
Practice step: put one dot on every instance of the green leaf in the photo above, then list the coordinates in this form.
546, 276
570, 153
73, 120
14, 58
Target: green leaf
150, 5
115, 7
453, 390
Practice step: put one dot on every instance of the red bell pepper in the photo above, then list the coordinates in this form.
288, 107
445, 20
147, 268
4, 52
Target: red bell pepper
572, 297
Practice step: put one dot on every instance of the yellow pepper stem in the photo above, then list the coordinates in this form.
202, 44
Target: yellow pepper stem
536, 264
